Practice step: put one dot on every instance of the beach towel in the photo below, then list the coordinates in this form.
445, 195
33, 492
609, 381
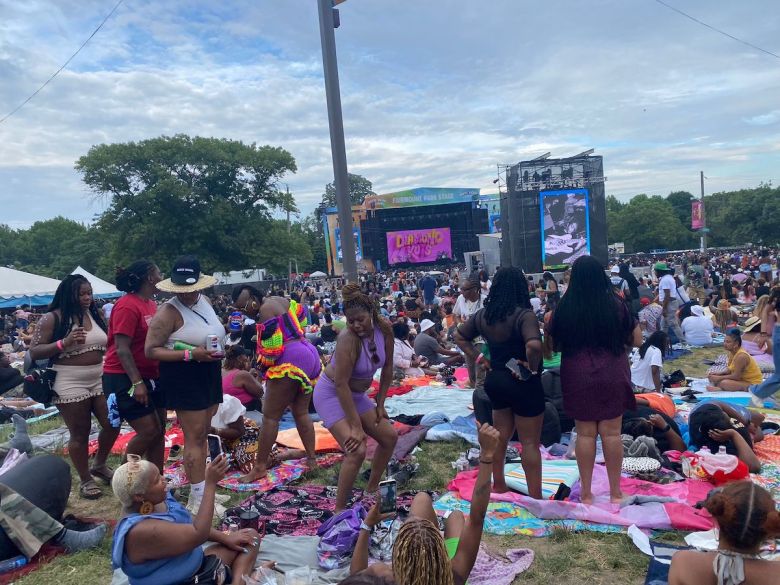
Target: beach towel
323, 440
554, 473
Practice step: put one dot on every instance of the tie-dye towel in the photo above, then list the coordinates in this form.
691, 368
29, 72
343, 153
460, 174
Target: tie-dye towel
277, 476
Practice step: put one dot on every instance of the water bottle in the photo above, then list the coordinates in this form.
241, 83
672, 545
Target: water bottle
12, 564
722, 450
705, 451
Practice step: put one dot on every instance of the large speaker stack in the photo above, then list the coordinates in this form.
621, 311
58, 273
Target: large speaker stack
521, 212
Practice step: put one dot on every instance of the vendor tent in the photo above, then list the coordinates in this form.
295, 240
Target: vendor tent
23, 288
318, 274
100, 288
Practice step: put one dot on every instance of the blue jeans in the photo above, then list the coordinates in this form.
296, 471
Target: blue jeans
771, 384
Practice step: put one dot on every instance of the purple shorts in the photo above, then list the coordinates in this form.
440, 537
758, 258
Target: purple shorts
326, 401
299, 361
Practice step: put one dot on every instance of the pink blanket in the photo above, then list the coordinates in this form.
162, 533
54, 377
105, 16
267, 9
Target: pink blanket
679, 515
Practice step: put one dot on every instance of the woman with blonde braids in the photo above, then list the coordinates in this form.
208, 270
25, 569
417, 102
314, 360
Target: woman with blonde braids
365, 346
421, 555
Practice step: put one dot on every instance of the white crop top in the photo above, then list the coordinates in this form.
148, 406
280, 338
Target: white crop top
200, 320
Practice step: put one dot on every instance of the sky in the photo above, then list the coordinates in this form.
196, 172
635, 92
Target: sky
434, 93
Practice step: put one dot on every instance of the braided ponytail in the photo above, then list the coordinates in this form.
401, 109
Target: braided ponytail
419, 555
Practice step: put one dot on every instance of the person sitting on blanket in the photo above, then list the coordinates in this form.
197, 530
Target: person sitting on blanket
742, 369
746, 517
239, 380
240, 435
713, 424
158, 541
421, 555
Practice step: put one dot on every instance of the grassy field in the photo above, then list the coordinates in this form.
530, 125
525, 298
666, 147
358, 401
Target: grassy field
564, 558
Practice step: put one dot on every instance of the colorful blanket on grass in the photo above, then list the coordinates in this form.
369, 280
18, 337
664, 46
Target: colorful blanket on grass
280, 475
300, 510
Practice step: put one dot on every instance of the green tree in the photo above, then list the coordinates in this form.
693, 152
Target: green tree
204, 196
8, 244
681, 203
359, 188
311, 229
646, 223
614, 204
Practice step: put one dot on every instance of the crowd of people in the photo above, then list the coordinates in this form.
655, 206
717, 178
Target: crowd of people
219, 360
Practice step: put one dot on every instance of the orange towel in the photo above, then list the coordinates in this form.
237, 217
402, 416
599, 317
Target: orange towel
323, 440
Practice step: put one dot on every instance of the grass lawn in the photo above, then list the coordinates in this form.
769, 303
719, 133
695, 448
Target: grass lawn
564, 558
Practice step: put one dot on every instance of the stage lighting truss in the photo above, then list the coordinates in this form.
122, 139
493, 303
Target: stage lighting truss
544, 173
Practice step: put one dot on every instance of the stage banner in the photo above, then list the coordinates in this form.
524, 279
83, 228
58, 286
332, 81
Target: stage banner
697, 215
419, 246
422, 196
565, 227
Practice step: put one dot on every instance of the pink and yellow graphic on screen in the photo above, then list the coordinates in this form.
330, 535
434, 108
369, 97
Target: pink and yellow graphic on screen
419, 246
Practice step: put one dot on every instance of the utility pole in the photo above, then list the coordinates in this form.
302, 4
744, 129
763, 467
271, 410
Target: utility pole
328, 22
287, 204
703, 216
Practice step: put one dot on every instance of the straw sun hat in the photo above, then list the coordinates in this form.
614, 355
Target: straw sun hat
186, 277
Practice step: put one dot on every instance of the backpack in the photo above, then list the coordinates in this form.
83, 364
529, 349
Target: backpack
619, 290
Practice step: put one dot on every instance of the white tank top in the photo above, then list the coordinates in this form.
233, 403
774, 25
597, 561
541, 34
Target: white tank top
200, 320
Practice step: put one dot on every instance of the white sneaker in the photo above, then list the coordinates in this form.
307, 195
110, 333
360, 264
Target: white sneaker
756, 401
193, 504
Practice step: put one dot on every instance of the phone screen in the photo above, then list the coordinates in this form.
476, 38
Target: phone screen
519, 369
387, 495
215, 446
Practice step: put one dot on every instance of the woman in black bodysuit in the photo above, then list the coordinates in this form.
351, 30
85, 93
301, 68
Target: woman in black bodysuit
509, 326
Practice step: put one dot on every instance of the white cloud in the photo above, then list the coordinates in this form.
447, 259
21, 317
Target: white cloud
434, 93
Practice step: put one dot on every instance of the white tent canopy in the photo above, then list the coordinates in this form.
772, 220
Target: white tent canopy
100, 288
318, 274
20, 288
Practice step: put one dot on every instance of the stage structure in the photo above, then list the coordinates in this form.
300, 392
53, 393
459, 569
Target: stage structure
553, 212
416, 227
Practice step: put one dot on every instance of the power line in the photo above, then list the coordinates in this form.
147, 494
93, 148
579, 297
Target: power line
717, 30
56, 73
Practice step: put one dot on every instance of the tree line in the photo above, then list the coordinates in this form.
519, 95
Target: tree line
221, 200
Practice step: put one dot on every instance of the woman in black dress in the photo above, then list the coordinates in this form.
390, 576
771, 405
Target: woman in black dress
592, 328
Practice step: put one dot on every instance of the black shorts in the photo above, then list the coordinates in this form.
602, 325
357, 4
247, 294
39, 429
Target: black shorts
129, 408
191, 385
506, 391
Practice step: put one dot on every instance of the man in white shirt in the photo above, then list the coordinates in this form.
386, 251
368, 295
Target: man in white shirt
469, 302
697, 328
668, 297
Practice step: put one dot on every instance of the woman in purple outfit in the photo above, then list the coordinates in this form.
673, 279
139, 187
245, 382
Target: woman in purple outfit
364, 347
593, 328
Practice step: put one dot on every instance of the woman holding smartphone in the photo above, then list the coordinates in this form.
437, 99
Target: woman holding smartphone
513, 383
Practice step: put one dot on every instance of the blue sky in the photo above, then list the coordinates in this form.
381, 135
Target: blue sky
435, 93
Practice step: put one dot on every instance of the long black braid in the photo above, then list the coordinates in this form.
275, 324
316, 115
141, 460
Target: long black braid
508, 292
66, 299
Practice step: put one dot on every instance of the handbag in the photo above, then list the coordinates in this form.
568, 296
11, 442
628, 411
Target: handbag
212, 571
39, 382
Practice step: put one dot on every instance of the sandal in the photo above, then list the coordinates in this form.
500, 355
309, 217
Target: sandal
175, 453
103, 473
90, 490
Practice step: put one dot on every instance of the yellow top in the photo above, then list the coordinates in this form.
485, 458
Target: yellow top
752, 373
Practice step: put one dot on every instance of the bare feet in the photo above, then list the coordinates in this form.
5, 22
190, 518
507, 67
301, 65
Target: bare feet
586, 499
311, 463
617, 498
499, 489
712, 388
257, 472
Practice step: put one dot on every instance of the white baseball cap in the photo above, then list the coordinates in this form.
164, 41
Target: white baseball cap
426, 324
615, 269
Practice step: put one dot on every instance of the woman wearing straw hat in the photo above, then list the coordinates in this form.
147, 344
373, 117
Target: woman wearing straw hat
190, 374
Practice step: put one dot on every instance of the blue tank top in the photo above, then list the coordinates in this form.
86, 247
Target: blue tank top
365, 367
173, 570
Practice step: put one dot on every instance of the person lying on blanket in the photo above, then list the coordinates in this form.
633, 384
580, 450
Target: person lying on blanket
746, 517
649, 422
717, 423
158, 541
421, 555
240, 437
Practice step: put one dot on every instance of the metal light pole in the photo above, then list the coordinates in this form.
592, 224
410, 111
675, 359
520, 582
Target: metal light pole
330, 67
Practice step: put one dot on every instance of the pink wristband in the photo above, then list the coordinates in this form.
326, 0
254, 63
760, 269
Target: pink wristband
186, 355
60, 345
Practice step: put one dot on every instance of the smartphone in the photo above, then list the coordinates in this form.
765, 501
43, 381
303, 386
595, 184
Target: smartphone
387, 496
519, 369
215, 446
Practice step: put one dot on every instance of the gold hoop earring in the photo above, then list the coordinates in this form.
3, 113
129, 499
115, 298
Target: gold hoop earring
254, 305
146, 508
